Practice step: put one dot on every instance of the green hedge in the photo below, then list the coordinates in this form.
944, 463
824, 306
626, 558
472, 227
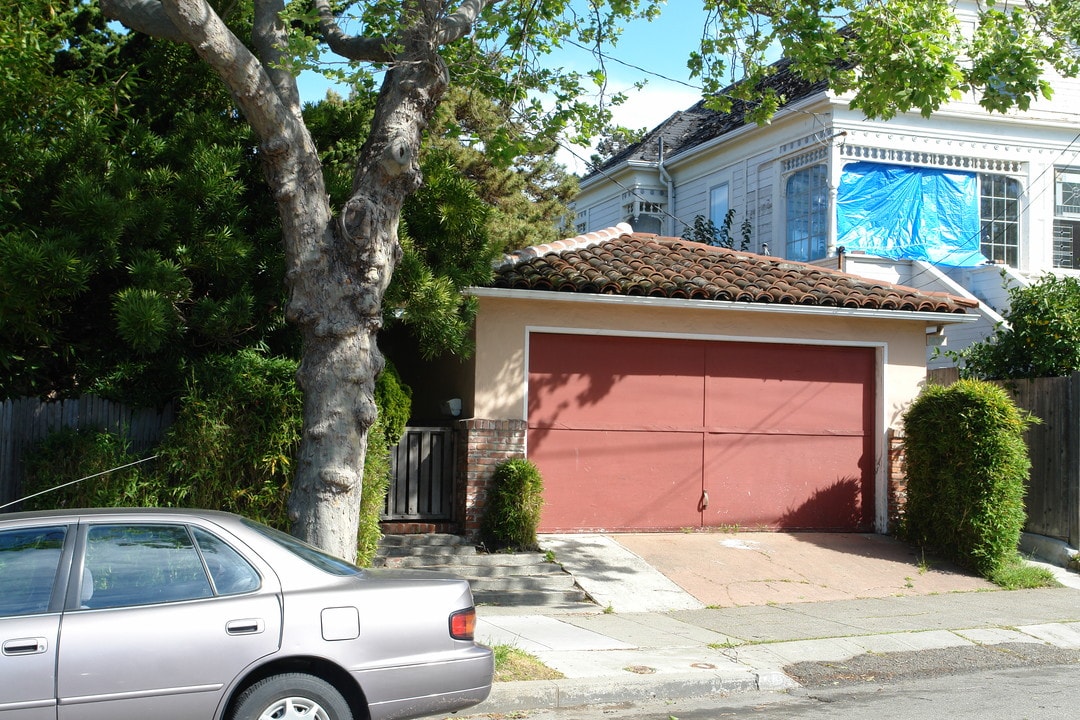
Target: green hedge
67, 455
231, 448
967, 467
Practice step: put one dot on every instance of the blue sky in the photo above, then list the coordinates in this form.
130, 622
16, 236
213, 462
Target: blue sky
661, 48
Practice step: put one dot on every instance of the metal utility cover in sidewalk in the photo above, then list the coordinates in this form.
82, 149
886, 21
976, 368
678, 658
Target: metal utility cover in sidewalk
635, 433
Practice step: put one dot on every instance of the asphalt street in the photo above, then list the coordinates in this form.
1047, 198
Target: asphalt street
1026, 692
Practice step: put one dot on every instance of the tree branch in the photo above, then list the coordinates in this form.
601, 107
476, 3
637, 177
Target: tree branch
268, 34
145, 16
461, 22
352, 47
247, 79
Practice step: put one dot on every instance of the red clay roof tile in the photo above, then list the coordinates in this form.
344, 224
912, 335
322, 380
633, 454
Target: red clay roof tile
618, 261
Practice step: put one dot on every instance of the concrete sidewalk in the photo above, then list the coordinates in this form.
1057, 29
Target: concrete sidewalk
657, 640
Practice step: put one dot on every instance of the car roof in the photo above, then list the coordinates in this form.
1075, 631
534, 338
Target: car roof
69, 514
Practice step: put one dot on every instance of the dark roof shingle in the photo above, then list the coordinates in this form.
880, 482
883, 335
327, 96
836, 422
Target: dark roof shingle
698, 124
617, 261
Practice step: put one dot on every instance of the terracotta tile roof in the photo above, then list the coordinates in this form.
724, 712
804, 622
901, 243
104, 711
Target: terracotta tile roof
618, 261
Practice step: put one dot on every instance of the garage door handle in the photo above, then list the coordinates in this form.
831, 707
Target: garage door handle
704, 499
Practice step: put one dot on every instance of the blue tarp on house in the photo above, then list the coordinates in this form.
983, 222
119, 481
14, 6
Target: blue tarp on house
909, 213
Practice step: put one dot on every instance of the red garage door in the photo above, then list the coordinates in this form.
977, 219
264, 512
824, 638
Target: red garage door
651, 434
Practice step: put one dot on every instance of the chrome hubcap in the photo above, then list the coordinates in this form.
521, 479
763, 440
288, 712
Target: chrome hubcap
294, 708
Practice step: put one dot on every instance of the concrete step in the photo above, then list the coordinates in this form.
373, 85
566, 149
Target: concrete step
534, 598
522, 569
422, 540
433, 544
477, 562
502, 579
523, 582
426, 551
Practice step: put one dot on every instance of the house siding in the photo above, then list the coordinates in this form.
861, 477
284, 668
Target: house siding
1025, 146
603, 214
757, 160
750, 194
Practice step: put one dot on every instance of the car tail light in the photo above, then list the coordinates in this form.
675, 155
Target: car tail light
463, 624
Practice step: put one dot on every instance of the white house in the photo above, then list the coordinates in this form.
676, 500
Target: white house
964, 202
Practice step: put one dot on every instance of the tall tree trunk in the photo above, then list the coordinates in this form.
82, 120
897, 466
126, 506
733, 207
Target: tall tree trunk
337, 269
339, 307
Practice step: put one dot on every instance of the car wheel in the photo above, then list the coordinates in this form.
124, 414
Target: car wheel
293, 696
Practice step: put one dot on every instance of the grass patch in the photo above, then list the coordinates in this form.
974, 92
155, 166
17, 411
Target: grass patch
1018, 575
513, 664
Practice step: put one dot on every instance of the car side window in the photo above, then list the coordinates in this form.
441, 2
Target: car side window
140, 565
230, 573
29, 558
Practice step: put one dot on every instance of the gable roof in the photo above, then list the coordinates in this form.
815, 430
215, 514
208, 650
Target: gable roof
698, 124
618, 261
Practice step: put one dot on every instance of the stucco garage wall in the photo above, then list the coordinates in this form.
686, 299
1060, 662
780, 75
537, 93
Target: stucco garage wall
502, 326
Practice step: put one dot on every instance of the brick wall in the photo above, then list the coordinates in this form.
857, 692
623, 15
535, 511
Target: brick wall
482, 446
897, 479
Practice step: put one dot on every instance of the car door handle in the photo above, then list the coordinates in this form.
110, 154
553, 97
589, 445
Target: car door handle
250, 626
26, 646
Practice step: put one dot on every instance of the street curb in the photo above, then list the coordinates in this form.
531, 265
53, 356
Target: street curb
1051, 550
507, 697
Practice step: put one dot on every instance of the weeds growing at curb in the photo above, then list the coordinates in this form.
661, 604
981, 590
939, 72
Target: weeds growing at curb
513, 664
1019, 575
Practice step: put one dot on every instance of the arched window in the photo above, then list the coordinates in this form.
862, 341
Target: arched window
807, 205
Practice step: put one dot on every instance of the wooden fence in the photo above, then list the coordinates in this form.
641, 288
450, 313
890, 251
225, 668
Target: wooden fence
423, 462
1053, 497
26, 421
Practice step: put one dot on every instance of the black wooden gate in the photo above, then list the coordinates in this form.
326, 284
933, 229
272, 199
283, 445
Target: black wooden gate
422, 485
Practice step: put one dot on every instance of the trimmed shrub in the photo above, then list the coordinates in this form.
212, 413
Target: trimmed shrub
514, 503
967, 466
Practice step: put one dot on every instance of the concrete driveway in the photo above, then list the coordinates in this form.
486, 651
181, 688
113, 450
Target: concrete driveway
650, 572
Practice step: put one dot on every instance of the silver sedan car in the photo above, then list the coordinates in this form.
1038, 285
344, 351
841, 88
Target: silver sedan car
195, 614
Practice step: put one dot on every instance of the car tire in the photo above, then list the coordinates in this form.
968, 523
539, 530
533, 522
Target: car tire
292, 696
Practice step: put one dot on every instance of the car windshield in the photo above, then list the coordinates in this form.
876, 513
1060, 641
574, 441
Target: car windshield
314, 556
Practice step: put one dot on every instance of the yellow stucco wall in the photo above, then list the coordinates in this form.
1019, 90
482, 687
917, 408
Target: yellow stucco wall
503, 325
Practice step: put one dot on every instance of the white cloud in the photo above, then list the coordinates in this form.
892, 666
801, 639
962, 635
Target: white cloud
645, 108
